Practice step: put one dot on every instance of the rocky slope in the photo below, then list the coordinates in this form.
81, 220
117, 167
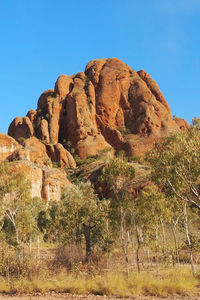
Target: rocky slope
107, 106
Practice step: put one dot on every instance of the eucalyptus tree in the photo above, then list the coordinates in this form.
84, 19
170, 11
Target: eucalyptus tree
79, 217
17, 209
175, 163
86, 216
117, 176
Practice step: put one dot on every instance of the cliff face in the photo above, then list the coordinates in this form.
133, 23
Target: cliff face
107, 106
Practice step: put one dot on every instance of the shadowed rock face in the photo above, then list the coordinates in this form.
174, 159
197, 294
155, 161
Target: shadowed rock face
107, 106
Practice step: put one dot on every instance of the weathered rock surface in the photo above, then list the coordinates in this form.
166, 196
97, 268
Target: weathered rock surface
46, 183
60, 155
21, 128
31, 158
182, 124
7, 146
108, 105
32, 150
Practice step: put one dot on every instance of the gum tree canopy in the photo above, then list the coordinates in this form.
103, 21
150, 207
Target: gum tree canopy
175, 166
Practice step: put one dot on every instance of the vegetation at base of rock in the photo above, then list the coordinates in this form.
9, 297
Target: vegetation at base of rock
127, 213
99, 229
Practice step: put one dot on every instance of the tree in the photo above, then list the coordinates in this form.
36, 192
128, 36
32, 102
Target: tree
175, 166
85, 216
150, 214
79, 216
18, 210
117, 176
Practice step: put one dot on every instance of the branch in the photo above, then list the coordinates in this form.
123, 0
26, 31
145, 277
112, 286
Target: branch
181, 197
191, 185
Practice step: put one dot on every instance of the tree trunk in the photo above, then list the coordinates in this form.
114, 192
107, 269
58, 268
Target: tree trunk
156, 235
86, 232
138, 249
188, 236
124, 242
175, 243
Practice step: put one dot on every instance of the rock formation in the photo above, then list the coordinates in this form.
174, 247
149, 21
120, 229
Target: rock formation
107, 106
7, 146
46, 182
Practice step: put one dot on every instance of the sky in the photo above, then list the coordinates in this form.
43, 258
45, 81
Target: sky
42, 39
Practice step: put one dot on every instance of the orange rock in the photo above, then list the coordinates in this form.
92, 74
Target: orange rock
63, 86
43, 130
7, 146
31, 114
46, 183
92, 146
54, 180
21, 127
37, 151
152, 85
182, 124
34, 151
60, 155
80, 118
108, 104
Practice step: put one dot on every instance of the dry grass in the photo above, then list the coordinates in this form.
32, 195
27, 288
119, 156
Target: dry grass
176, 281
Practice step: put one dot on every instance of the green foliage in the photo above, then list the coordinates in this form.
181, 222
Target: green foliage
124, 131
150, 210
175, 166
196, 122
135, 159
83, 162
49, 222
21, 140
67, 221
117, 173
83, 208
117, 176
56, 164
47, 116
18, 212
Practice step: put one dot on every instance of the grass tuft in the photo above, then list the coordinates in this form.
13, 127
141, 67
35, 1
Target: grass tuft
176, 281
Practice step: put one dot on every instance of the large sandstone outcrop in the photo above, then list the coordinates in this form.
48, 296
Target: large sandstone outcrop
107, 106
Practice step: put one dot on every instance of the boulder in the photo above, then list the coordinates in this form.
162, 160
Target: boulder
63, 86
21, 128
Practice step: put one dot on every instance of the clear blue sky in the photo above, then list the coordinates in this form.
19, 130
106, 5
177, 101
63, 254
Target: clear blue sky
41, 39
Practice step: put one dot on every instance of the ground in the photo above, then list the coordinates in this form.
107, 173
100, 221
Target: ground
72, 296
